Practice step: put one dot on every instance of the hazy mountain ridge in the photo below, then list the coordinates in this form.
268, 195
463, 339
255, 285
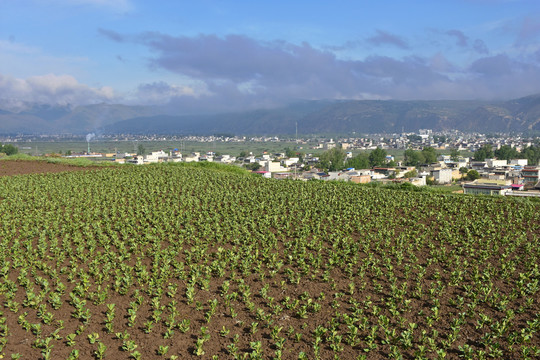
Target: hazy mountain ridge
311, 117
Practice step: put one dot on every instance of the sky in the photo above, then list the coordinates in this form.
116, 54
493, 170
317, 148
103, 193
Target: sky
217, 55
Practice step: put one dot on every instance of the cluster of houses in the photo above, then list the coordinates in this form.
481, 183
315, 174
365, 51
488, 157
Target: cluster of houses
501, 177
421, 139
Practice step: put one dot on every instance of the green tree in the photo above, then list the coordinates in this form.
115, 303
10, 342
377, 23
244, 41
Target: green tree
360, 161
430, 155
463, 171
485, 152
9, 149
413, 158
414, 137
532, 154
377, 157
439, 139
506, 152
333, 159
473, 175
141, 150
411, 174
454, 155
290, 153
254, 166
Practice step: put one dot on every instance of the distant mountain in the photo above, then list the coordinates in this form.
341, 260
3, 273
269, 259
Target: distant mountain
311, 117
362, 117
273, 121
47, 119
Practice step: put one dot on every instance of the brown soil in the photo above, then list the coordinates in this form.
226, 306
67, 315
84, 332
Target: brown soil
271, 293
20, 167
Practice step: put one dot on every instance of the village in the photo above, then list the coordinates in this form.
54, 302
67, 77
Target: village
455, 163
491, 176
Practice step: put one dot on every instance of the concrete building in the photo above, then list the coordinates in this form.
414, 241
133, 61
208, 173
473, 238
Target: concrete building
418, 181
194, 157
487, 187
360, 179
531, 175
156, 156
442, 176
519, 162
273, 166
494, 163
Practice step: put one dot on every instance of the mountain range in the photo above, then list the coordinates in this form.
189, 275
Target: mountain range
309, 117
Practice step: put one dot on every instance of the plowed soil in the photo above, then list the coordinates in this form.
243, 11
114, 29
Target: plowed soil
19, 167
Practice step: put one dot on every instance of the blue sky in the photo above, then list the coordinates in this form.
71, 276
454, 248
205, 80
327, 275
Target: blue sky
227, 55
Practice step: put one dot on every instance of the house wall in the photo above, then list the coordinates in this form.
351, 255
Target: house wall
273, 166
531, 175
496, 163
443, 176
476, 191
360, 179
521, 162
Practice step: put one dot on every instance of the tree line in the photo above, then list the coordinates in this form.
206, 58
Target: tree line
336, 159
506, 152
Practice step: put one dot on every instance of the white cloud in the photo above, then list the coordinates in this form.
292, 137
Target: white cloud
161, 93
51, 89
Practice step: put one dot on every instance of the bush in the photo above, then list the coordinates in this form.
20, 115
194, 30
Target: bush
473, 175
9, 149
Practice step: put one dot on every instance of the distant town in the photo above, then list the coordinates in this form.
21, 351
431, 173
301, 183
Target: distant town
494, 164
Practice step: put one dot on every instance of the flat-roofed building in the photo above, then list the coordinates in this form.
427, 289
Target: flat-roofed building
487, 187
531, 175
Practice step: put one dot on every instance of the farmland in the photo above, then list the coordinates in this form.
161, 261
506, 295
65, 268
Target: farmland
176, 261
20, 167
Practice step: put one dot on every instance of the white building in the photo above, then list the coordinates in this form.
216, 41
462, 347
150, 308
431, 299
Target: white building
225, 159
273, 166
519, 162
493, 163
208, 158
444, 158
194, 157
138, 160
290, 161
418, 181
443, 176
156, 156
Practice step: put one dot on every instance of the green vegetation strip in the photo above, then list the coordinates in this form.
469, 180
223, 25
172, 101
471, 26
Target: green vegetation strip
171, 261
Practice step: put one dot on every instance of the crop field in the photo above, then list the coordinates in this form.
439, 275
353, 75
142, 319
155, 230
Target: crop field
188, 262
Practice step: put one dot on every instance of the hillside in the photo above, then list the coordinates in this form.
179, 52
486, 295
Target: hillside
312, 117
352, 116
